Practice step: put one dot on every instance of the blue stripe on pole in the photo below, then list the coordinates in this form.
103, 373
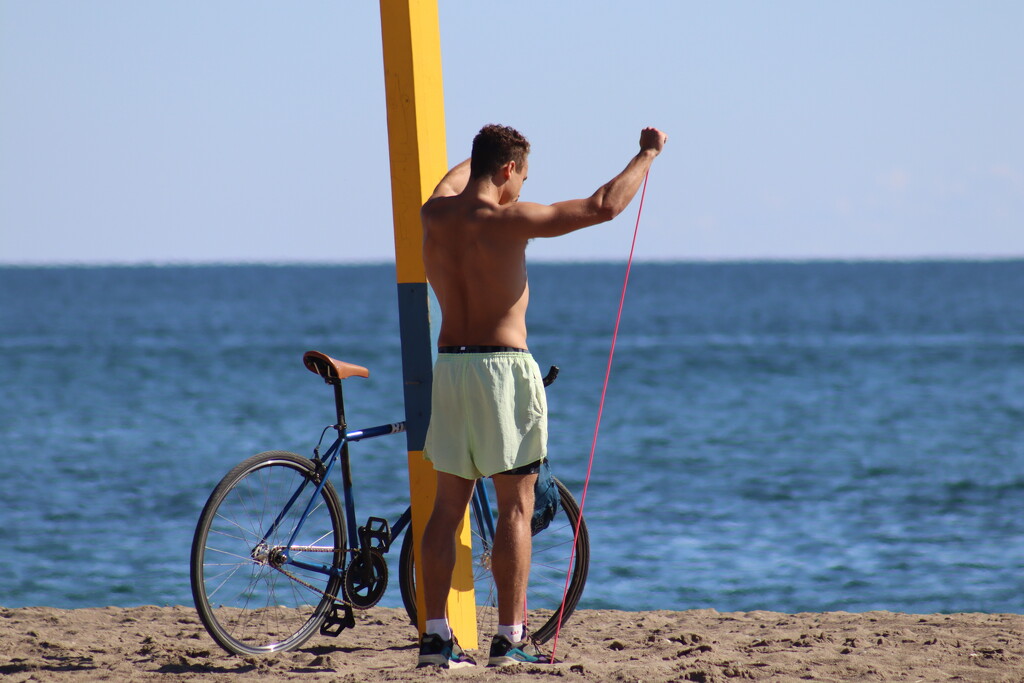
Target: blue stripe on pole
418, 348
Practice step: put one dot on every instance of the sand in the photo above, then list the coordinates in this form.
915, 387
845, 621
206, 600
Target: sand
170, 644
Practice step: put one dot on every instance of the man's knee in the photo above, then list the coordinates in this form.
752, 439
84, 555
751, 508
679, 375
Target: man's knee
515, 492
516, 513
445, 517
452, 498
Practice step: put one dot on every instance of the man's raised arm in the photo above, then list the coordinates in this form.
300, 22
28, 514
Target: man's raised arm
611, 199
615, 195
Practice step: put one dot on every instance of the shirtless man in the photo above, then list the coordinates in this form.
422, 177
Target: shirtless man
489, 414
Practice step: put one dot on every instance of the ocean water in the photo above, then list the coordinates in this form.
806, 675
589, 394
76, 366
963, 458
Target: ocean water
781, 436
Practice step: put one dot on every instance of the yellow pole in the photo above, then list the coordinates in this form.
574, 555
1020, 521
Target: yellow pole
416, 138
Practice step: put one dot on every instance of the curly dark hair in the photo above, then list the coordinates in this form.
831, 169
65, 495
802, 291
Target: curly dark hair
494, 146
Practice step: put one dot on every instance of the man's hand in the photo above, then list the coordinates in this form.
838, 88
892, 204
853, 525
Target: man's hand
653, 139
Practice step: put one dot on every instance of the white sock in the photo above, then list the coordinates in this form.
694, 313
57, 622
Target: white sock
513, 633
440, 627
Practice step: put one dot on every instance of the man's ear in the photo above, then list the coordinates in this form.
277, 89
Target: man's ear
508, 169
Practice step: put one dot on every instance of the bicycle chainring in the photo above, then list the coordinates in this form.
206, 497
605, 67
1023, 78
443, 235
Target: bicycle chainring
365, 579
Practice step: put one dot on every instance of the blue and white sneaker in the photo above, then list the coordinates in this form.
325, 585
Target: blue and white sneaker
505, 652
436, 651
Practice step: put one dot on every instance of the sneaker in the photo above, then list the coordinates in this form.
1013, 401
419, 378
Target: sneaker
436, 651
505, 652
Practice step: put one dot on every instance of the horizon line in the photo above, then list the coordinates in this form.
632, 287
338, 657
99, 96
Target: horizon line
187, 263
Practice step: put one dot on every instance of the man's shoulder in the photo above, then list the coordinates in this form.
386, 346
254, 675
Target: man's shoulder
436, 204
451, 204
521, 214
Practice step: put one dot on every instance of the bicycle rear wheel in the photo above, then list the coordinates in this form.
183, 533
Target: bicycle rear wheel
244, 598
549, 564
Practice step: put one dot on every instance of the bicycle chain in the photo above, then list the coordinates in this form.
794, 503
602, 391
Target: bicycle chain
311, 548
335, 598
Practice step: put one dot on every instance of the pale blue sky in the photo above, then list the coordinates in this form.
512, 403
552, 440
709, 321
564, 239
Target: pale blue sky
231, 131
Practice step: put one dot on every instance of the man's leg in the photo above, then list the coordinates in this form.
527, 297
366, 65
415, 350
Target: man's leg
512, 544
438, 550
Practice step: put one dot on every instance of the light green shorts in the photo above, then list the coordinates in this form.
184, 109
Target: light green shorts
488, 414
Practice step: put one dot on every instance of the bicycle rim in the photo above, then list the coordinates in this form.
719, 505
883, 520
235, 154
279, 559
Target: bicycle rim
247, 605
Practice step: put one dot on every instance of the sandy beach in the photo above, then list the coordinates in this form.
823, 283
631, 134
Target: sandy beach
169, 644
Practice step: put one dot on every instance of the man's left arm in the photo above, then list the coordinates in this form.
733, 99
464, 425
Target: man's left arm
453, 182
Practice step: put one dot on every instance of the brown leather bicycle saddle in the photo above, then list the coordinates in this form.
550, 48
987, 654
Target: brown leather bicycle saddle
330, 369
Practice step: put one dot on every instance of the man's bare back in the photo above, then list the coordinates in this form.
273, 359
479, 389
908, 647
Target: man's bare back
478, 272
475, 233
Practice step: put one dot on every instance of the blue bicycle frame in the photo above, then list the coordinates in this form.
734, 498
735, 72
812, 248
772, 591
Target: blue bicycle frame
362, 541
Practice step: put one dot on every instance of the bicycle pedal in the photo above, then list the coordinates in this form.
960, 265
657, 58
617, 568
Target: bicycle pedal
333, 625
376, 535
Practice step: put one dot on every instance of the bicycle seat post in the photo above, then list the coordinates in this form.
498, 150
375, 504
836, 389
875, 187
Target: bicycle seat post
339, 407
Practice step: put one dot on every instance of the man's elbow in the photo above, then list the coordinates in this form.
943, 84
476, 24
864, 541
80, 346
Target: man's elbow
604, 206
606, 211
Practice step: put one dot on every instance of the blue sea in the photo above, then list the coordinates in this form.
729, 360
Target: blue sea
782, 436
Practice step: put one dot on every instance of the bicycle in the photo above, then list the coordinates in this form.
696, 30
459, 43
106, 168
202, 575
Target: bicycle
270, 563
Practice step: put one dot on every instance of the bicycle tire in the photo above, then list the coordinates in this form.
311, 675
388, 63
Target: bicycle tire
548, 566
246, 605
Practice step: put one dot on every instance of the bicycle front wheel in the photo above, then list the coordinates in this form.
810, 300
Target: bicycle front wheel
552, 548
250, 601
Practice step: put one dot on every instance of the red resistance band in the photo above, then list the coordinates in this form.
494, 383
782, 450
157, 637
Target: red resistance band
600, 410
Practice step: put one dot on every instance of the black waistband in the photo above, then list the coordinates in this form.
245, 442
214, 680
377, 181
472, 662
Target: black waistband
480, 349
